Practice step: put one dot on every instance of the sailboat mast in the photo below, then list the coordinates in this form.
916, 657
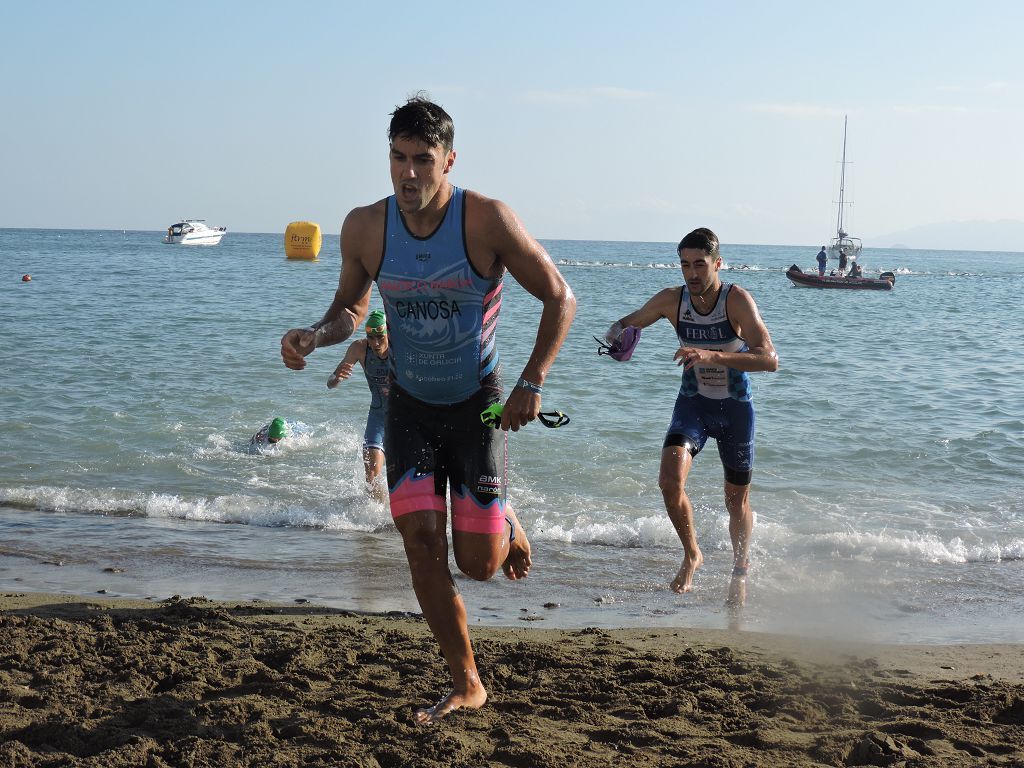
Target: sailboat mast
842, 185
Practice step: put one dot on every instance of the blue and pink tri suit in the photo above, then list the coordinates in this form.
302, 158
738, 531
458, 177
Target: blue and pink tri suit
442, 317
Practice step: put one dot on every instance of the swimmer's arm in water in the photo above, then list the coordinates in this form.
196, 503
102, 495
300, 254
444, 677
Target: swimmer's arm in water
355, 354
359, 261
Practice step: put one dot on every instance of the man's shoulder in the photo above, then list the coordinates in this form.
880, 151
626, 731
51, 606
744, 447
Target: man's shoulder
364, 225
491, 224
480, 207
739, 297
666, 301
672, 293
364, 215
374, 210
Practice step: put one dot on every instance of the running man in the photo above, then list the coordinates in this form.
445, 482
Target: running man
438, 254
372, 354
721, 339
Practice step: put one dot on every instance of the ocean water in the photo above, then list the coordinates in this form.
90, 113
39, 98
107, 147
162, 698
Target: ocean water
888, 486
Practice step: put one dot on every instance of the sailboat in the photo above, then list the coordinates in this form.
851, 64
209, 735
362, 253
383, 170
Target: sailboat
842, 241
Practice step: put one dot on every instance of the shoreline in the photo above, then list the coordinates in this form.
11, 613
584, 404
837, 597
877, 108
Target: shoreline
113, 682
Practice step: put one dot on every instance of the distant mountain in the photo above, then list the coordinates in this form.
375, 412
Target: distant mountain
1001, 235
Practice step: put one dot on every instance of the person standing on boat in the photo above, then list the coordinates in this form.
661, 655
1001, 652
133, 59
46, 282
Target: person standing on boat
721, 339
372, 354
842, 262
438, 254
822, 261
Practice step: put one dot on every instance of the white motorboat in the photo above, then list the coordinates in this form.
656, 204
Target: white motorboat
194, 232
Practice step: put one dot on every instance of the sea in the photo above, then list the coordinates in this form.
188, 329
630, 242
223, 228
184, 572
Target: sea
888, 486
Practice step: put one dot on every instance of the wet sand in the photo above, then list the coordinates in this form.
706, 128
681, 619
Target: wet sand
189, 682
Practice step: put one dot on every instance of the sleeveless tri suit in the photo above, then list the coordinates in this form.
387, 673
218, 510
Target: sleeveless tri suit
442, 316
376, 369
714, 400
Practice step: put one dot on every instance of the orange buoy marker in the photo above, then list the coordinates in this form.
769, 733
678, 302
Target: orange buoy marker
302, 241
26, 278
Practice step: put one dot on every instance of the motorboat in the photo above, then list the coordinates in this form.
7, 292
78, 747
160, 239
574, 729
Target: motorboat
194, 232
801, 279
842, 242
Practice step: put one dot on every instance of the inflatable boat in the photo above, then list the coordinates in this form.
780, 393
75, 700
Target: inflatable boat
801, 279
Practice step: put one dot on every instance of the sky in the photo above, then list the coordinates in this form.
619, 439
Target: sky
592, 120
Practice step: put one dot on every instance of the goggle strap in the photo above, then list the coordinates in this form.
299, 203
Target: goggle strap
605, 349
553, 419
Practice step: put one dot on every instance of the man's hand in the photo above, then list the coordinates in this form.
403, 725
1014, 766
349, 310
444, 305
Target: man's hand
691, 356
341, 373
521, 408
296, 345
614, 333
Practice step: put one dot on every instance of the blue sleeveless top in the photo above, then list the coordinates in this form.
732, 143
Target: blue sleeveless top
711, 331
442, 315
376, 371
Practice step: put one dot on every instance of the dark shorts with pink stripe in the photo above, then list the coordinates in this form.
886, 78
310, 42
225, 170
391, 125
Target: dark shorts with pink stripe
431, 448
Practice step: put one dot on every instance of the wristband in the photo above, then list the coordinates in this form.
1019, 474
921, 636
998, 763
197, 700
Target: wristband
529, 386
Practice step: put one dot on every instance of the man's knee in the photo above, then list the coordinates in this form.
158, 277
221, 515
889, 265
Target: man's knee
423, 545
479, 566
671, 483
737, 499
479, 569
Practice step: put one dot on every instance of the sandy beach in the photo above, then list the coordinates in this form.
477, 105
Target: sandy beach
190, 682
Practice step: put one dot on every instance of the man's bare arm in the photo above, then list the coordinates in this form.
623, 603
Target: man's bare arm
351, 298
529, 264
664, 303
760, 355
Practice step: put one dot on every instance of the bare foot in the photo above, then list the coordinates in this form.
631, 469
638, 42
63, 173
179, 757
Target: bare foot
683, 582
737, 587
450, 703
517, 564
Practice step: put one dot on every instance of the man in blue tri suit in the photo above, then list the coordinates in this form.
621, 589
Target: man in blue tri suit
721, 339
438, 254
822, 258
372, 354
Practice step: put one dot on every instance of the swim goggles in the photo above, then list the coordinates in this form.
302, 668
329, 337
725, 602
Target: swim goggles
491, 417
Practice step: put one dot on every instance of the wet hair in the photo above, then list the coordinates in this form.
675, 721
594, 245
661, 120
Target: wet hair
703, 239
419, 118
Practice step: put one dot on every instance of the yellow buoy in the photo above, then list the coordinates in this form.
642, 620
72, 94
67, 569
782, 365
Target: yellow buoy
302, 240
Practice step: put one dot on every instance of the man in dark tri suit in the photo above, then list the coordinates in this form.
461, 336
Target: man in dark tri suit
721, 337
372, 354
439, 254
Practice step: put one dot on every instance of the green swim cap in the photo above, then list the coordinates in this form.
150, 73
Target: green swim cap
278, 429
376, 319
